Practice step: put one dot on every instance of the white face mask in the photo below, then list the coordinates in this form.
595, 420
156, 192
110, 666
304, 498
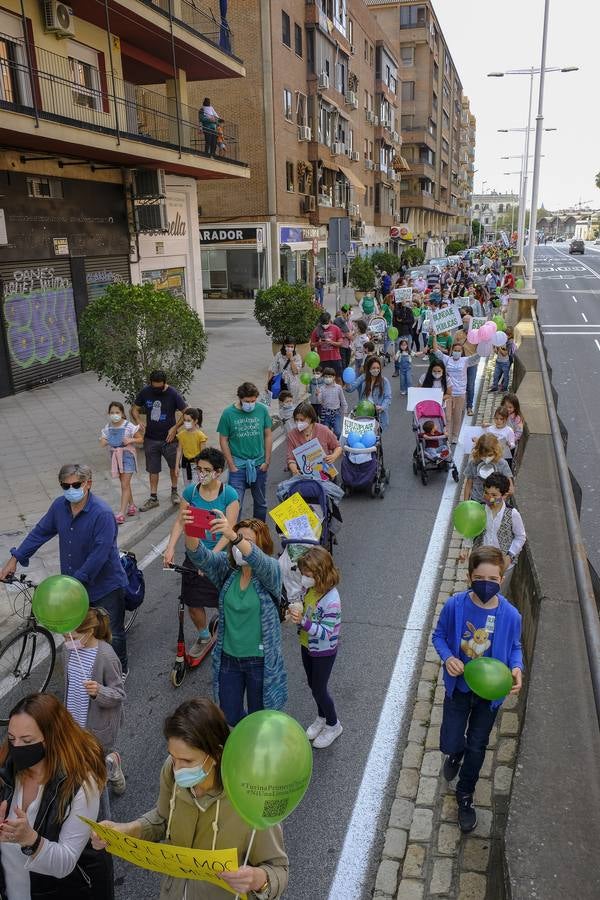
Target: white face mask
302, 425
374, 372
115, 417
289, 349
239, 559
328, 379
307, 581
188, 425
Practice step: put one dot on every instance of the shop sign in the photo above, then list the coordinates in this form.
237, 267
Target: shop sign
61, 246
228, 235
299, 234
401, 233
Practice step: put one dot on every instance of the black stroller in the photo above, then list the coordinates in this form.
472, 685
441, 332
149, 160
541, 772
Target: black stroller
363, 467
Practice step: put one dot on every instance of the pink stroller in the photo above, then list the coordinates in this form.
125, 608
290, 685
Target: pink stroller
432, 452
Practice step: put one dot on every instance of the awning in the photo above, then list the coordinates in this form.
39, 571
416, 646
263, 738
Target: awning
404, 166
352, 178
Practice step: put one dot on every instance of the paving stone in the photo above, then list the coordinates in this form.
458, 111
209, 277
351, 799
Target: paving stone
486, 769
427, 792
387, 876
484, 823
431, 655
414, 861
410, 890
441, 877
503, 779
432, 763
417, 732
476, 854
436, 714
506, 750
422, 709
510, 702
429, 671
449, 810
453, 552
422, 822
408, 783
401, 813
448, 838
413, 756
432, 740
493, 737
440, 693
447, 587
395, 843
483, 792
509, 723
424, 690
472, 886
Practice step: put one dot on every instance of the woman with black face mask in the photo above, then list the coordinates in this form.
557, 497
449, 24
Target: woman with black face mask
51, 772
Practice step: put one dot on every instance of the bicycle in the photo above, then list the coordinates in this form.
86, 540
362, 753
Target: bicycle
27, 659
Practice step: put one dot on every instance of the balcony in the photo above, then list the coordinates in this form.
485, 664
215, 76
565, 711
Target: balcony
422, 168
418, 135
45, 109
162, 29
418, 199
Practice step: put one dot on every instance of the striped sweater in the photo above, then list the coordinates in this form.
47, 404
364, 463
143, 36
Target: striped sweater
320, 626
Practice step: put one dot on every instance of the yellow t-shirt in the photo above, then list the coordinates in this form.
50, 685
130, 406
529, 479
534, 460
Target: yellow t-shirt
191, 442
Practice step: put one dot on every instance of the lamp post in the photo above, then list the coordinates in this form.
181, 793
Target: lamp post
483, 184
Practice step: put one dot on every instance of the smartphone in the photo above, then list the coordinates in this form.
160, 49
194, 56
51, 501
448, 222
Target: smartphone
203, 519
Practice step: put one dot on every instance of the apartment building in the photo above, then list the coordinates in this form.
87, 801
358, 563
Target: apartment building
432, 198
319, 124
466, 172
100, 153
495, 210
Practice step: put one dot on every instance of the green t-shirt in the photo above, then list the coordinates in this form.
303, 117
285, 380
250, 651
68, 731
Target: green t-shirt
386, 313
243, 629
445, 343
245, 431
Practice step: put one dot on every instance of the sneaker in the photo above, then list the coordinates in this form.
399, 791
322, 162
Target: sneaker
328, 735
403, 393
451, 767
151, 503
125, 676
199, 645
396, 375
492, 390
114, 772
174, 497
119, 518
316, 728
132, 509
470, 411
467, 814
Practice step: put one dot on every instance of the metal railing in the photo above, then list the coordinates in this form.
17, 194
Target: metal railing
62, 92
198, 18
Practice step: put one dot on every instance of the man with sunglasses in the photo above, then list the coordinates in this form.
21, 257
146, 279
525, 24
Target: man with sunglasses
87, 543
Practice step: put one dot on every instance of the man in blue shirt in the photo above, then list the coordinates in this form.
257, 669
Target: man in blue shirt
87, 543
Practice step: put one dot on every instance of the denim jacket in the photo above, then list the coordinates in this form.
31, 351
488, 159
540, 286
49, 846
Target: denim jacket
378, 397
266, 578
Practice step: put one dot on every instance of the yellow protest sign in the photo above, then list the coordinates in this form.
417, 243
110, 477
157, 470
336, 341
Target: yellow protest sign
179, 862
292, 508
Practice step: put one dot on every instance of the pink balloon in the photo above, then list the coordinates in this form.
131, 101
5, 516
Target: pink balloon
473, 336
484, 348
487, 331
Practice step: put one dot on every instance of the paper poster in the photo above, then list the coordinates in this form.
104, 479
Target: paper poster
179, 862
299, 528
378, 325
354, 426
477, 322
310, 459
468, 435
418, 395
292, 508
446, 319
402, 294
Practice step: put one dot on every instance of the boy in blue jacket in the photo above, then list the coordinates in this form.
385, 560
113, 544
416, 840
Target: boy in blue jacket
473, 623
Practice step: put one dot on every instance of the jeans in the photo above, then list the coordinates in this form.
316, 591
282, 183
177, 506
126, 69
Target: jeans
320, 292
318, 669
471, 376
405, 375
345, 353
465, 732
114, 604
239, 676
238, 481
501, 370
333, 419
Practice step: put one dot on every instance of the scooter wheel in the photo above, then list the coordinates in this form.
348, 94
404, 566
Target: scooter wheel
455, 473
178, 674
388, 475
424, 477
415, 467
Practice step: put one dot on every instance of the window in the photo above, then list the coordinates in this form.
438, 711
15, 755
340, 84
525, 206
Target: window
301, 108
445, 119
286, 34
445, 145
408, 90
365, 149
371, 195
85, 77
412, 16
371, 56
407, 122
298, 40
289, 176
351, 31
407, 56
44, 188
366, 51
446, 64
367, 100
287, 104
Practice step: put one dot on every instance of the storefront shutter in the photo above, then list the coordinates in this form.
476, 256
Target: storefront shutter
100, 271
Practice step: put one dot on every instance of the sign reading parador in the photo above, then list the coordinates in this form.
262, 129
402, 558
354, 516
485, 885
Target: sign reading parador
179, 862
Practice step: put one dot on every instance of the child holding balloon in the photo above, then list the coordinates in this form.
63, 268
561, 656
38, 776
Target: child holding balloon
473, 624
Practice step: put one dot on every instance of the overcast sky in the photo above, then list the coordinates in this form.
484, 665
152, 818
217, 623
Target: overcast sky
507, 34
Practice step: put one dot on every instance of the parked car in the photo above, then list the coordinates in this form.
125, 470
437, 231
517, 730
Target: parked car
439, 261
577, 246
454, 260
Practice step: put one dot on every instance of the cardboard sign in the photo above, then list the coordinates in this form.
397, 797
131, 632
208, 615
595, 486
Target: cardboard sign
402, 294
292, 508
468, 435
299, 528
447, 319
478, 322
419, 394
355, 426
310, 459
179, 862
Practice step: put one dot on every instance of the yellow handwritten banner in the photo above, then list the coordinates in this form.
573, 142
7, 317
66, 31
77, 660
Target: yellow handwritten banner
292, 508
179, 862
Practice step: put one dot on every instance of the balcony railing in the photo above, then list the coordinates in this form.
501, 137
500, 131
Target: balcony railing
50, 91
198, 18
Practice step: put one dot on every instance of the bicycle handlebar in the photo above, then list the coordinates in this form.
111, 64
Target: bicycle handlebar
18, 580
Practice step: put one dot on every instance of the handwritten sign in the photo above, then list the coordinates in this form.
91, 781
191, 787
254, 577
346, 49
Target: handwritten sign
179, 862
310, 459
402, 294
352, 426
299, 528
446, 319
468, 435
478, 322
418, 395
292, 508
378, 325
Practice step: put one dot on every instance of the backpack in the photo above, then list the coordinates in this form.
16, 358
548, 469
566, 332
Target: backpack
275, 383
135, 590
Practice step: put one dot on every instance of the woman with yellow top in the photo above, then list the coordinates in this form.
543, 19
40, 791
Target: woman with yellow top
191, 440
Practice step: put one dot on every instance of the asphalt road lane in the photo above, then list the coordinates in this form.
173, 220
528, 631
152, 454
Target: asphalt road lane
569, 313
380, 553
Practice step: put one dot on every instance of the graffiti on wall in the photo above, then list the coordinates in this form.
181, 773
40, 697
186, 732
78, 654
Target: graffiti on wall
40, 317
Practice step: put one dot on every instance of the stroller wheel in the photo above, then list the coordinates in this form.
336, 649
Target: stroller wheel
347, 490
388, 475
415, 467
382, 490
455, 473
374, 489
424, 477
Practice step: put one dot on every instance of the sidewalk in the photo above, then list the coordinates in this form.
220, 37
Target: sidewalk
425, 855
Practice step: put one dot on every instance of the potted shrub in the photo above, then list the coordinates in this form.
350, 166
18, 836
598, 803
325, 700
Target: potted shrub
288, 311
362, 276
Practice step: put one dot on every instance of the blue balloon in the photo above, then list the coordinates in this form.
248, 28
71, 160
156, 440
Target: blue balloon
348, 375
369, 439
358, 446
353, 439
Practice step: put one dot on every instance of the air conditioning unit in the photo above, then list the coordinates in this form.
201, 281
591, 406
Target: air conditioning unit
151, 217
391, 174
353, 209
375, 121
368, 165
58, 18
377, 167
395, 137
369, 116
304, 133
149, 184
337, 149
355, 155
352, 99
324, 80
309, 204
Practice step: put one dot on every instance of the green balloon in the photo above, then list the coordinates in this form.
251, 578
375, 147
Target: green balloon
488, 678
519, 284
500, 323
497, 292
266, 767
312, 359
60, 603
305, 377
469, 518
393, 333
365, 409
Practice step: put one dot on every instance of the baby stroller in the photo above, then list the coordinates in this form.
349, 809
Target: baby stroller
378, 330
432, 453
363, 467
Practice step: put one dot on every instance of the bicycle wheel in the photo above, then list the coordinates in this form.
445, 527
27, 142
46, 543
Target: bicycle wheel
26, 666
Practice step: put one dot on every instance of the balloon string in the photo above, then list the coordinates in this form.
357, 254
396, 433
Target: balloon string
78, 658
252, 836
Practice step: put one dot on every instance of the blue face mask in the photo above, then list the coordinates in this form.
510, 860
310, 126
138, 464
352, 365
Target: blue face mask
485, 590
248, 407
191, 776
73, 494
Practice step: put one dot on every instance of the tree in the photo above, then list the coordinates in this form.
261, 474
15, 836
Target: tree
455, 247
412, 256
287, 311
132, 329
387, 262
475, 226
362, 274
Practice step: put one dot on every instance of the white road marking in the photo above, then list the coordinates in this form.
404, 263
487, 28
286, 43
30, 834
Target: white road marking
574, 299
585, 266
566, 285
584, 317
597, 343
571, 333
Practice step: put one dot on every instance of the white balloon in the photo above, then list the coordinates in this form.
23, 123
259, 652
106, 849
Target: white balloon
499, 339
484, 348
